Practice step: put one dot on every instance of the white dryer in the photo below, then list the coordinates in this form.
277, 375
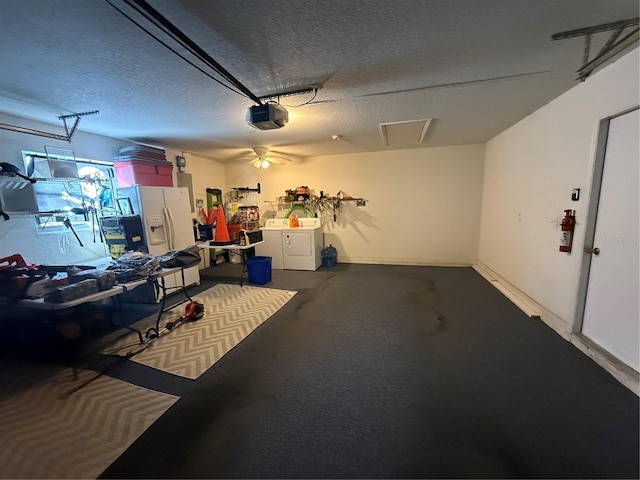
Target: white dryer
302, 245
297, 248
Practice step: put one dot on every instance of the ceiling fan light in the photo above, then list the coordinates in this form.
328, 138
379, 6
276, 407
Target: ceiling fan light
265, 164
257, 163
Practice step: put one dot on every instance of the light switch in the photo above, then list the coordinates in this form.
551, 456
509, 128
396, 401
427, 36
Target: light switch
575, 194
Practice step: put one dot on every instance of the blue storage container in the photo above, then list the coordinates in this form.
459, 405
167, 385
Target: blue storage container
259, 270
334, 253
329, 256
206, 232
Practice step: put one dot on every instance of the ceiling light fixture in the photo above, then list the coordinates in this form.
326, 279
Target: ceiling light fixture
263, 159
261, 163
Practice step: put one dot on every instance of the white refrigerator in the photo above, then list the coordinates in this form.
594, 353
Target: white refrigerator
167, 222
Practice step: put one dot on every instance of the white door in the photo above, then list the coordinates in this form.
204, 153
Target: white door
611, 314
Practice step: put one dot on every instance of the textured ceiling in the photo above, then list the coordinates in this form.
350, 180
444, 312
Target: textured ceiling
475, 66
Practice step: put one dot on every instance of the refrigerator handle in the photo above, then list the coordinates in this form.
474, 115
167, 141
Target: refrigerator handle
169, 222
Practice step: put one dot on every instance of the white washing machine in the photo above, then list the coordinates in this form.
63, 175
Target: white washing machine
297, 248
272, 237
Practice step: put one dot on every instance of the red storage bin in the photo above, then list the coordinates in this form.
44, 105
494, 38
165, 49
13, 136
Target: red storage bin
234, 232
143, 173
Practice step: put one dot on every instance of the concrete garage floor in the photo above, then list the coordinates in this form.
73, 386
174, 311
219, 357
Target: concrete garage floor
375, 371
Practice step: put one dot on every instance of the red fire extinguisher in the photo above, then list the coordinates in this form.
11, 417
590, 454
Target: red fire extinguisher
567, 226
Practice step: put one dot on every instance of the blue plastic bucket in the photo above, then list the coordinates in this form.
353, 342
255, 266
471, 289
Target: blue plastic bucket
259, 270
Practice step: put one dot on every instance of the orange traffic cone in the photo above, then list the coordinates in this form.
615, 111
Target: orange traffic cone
222, 232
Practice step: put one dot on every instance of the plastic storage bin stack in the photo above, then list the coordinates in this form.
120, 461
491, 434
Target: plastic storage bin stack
137, 164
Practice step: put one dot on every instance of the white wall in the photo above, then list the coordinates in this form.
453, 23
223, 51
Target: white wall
423, 205
530, 171
205, 173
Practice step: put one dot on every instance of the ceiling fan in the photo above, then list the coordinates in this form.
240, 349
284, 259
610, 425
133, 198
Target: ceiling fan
263, 159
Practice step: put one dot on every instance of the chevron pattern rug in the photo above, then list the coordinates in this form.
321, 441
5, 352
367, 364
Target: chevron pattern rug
46, 436
231, 313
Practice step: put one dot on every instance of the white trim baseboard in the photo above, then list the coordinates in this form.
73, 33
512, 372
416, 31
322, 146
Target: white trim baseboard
621, 372
522, 301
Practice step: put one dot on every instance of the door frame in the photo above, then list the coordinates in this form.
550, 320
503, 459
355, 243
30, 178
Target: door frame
592, 215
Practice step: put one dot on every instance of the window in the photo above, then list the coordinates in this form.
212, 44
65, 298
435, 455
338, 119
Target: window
65, 182
80, 190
